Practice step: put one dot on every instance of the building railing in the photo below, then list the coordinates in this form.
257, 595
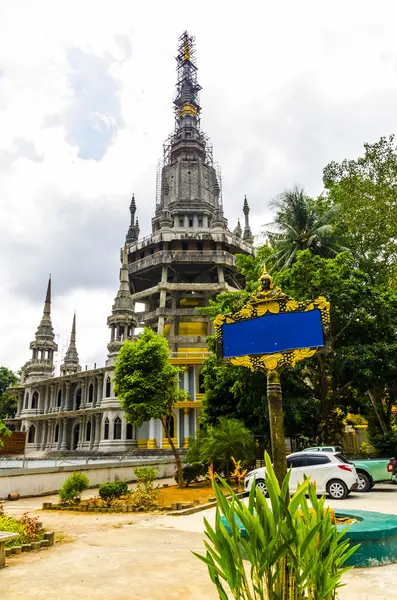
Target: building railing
201, 355
182, 256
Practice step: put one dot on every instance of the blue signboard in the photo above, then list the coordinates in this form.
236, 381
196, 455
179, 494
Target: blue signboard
273, 333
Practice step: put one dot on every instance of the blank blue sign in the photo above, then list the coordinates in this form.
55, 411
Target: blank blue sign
273, 333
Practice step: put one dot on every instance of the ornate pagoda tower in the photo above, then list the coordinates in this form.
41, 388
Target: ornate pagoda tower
190, 256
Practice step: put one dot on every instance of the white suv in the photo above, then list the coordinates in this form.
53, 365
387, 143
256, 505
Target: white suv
333, 473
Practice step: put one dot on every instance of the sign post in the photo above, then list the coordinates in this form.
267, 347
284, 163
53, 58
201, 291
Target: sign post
273, 332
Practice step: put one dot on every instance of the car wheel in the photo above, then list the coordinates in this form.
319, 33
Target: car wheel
337, 489
261, 485
364, 482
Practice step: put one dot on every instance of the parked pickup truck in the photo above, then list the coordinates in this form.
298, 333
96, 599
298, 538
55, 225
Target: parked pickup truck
369, 470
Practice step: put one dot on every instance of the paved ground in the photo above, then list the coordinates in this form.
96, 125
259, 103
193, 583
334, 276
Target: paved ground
128, 556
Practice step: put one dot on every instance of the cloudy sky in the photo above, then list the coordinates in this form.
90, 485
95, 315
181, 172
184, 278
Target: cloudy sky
86, 91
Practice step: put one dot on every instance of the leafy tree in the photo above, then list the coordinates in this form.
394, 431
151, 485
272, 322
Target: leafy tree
230, 437
8, 401
363, 334
238, 393
4, 432
365, 189
301, 223
147, 384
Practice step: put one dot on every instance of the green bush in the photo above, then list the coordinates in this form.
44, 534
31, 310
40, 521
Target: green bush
145, 477
230, 437
73, 486
27, 528
192, 471
109, 491
293, 550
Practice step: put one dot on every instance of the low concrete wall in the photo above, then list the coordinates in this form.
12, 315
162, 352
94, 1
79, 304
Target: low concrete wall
49, 480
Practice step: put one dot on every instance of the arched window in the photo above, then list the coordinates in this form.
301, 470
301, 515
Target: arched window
108, 388
180, 222
117, 429
78, 399
88, 432
59, 402
56, 434
90, 393
35, 399
27, 400
106, 429
31, 434
129, 431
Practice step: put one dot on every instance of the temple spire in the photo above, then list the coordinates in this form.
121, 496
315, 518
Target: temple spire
122, 321
71, 360
133, 231
41, 365
247, 235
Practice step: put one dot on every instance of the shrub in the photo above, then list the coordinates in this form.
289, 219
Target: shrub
230, 437
191, 472
291, 553
73, 486
27, 528
109, 491
145, 476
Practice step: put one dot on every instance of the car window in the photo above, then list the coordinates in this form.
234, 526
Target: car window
311, 450
342, 459
296, 461
325, 449
317, 460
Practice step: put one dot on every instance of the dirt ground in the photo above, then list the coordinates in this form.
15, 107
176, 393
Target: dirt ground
136, 556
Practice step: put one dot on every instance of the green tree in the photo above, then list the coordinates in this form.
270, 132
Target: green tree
365, 189
363, 333
8, 401
229, 437
301, 223
147, 384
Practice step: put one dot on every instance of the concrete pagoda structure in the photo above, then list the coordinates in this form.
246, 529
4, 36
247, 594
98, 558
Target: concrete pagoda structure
188, 259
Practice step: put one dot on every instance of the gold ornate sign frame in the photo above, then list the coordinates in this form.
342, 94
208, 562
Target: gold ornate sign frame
268, 298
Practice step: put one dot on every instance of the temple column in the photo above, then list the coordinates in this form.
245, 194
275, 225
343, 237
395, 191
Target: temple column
99, 390
152, 442
52, 397
65, 397
163, 299
83, 394
81, 432
186, 379
20, 404
64, 429
49, 435
186, 427
97, 431
44, 435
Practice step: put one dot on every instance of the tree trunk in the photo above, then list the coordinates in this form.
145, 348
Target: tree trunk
276, 417
378, 408
175, 450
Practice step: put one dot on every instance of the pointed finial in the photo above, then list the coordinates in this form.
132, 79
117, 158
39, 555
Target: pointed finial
73, 334
47, 302
246, 208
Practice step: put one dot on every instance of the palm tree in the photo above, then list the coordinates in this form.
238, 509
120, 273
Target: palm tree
230, 437
301, 223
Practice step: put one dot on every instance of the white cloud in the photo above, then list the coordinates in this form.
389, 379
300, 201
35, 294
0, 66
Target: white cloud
86, 94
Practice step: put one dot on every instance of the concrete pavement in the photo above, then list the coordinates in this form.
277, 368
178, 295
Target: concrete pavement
136, 556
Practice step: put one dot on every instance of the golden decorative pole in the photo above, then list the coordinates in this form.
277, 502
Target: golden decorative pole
266, 300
